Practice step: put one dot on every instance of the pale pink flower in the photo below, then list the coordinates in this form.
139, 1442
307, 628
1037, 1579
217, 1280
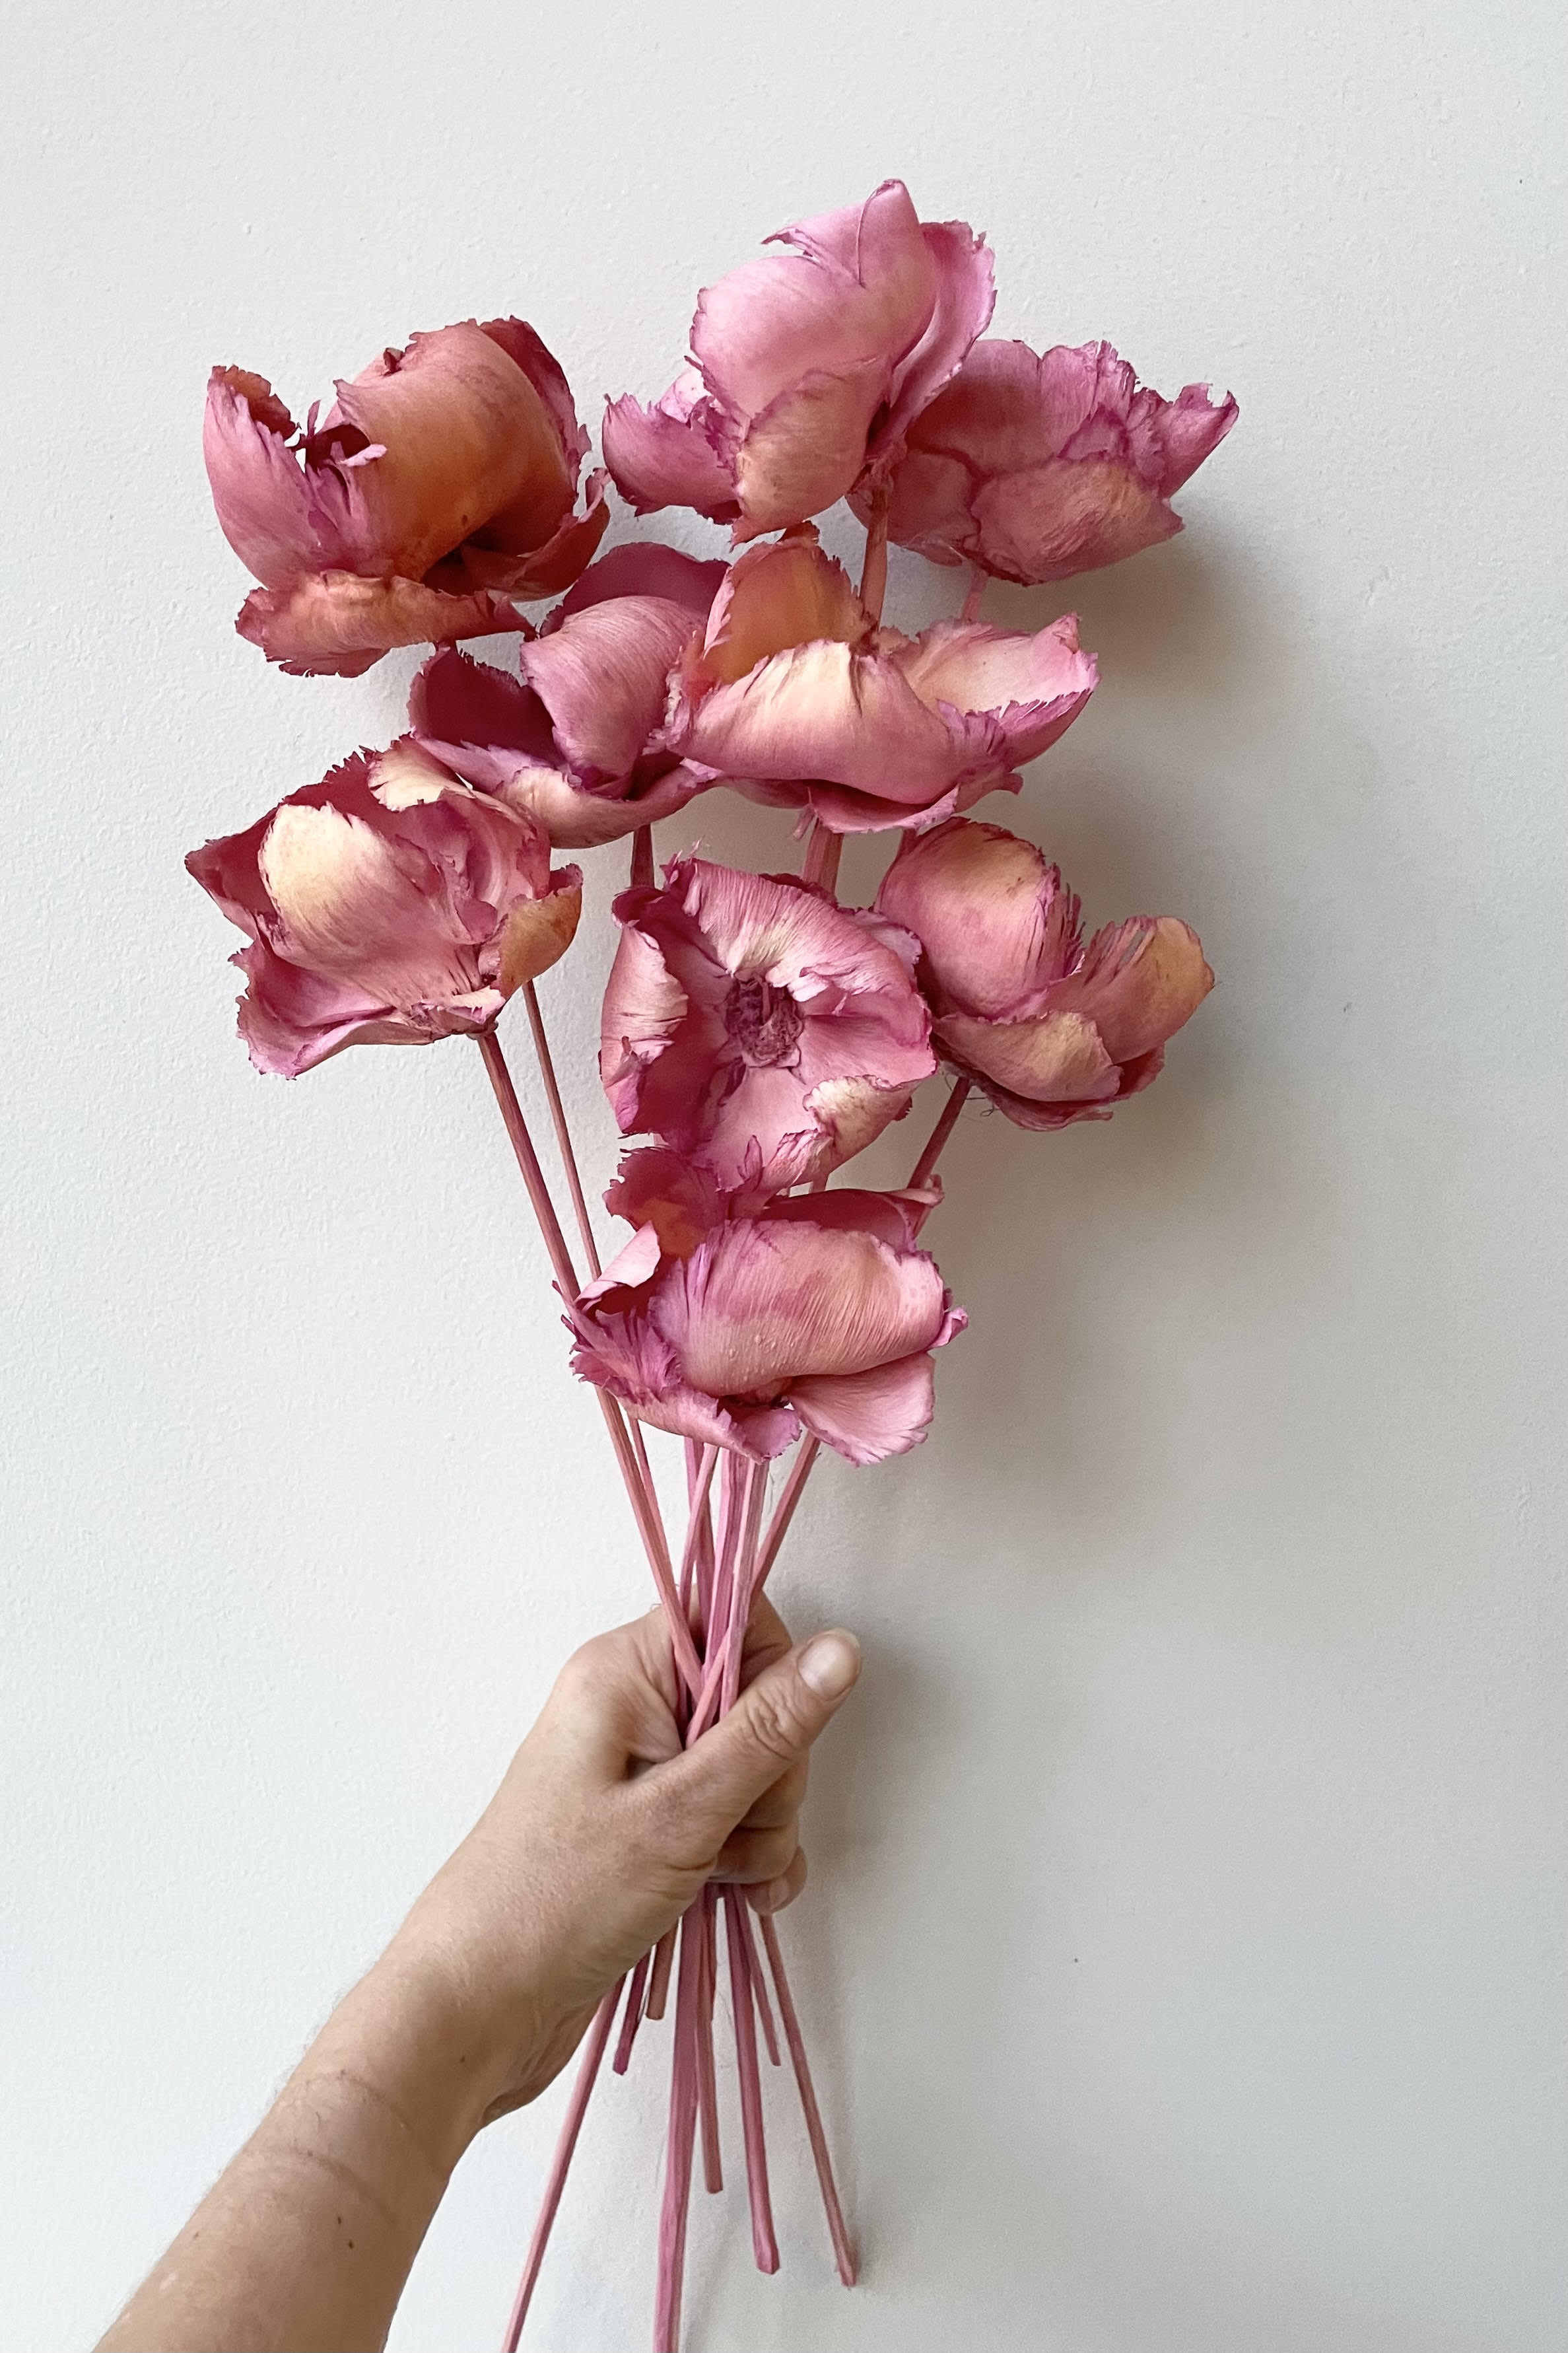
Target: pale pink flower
806, 367
387, 905
795, 695
771, 1325
1052, 1030
439, 486
1035, 468
752, 1023
576, 740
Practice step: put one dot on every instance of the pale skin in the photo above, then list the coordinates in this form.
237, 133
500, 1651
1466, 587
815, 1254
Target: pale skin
602, 1833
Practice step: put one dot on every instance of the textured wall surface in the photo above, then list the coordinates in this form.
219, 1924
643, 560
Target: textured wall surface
1185, 1943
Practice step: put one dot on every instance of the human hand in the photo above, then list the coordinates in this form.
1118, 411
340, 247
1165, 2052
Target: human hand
602, 1833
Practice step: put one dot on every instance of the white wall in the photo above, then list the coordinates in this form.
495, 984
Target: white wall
1185, 1945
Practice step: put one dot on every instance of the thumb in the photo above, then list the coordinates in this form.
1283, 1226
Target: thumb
770, 1728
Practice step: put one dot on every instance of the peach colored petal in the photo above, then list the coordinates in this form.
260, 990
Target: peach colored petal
335, 624
994, 919
1138, 983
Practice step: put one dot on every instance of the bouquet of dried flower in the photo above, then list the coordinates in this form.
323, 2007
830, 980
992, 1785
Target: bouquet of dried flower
756, 1035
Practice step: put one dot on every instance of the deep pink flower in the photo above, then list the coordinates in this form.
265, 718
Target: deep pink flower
756, 1025
386, 906
796, 696
1052, 1030
806, 367
576, 740
772, 1323
1035, 468
439, 486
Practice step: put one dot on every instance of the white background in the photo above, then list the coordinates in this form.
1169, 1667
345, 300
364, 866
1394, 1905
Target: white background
1185, 1948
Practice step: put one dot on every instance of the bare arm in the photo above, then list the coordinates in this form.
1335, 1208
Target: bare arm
602, 1833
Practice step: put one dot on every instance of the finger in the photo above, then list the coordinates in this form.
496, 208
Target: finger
779, 1805
780, 1892
752, 1858
767, 1733
768, 1639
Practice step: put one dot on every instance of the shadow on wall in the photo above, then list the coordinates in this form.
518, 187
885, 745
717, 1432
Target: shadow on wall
1222, 775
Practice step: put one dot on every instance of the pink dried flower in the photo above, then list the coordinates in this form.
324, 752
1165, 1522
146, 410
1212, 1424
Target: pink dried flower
772, 1323
439, 485
387, 905
807, 367
1037, 468
755, 1025
1052, 1030
577, 741
794, 694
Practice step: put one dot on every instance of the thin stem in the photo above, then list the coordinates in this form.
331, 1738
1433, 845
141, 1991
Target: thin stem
764, 2245
843, 2252
823, 851
631, 2017
783, 1510
760, 1987
599, 2034
706, 2081
874, 571
642, 856
645, 1508
922, 1171
562, 1133
677, 2158
978, 582
658, 1976
698, 1488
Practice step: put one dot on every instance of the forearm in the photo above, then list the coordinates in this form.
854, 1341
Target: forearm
304, 2244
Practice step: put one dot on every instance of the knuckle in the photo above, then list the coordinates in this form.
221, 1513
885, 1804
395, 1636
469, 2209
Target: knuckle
775, 1726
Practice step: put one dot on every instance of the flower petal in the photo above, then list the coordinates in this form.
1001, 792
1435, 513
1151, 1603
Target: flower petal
1058, 1058
671, 453
644, 568
469, 441
1138, 983
601, 675
866, 1416
994, 919
335, 624
758, 1306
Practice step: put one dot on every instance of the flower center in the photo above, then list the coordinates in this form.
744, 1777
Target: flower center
766, 1022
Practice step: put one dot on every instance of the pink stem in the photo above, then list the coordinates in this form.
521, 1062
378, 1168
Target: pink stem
874, 570
631, 2017
759, 1987
925, 1165
823, 851
677, 2157
642, 856
644, 1508
764, 2245
658, 1976
558, 1121
697, 1487
783, 1510
978, 582
842, 2250
599, 2035
707, 2083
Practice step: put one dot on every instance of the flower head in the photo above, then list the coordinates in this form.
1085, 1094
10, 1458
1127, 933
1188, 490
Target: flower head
576, 741
1052, 1030
806, 367
756, 1025
793, 694
388, 904
1035, 468
772, 1323
439, 485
